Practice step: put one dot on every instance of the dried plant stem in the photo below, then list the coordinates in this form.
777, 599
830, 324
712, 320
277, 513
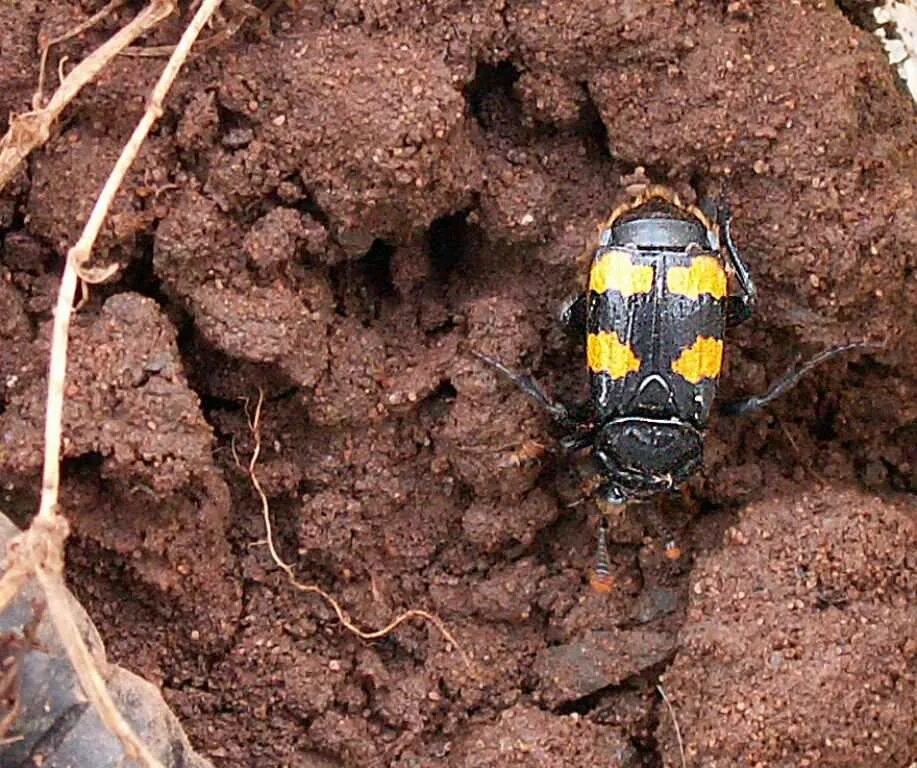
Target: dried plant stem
57, 372
681, 746
254, 424
39, 550
46, 45
244, 13
32, 129
17, 573
78, 255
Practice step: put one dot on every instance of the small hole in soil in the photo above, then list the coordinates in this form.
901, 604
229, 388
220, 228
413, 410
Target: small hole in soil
89, 465
696, 181
437, 404
445, 391
894, 477
592, 126
859, 13
824, 427
490, 80
586, 704
235, 128
139, 275
377, 268
309, 205
361, 287
449, 239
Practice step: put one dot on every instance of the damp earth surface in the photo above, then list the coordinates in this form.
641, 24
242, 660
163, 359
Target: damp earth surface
342, 202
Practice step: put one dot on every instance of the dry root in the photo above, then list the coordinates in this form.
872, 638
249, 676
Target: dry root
39, 551
254, 423
32, 129
681, 746
240, 14
46, 45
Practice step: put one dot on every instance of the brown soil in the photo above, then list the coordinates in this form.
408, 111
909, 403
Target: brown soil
341, 202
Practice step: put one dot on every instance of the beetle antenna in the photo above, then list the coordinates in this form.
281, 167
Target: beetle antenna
601, 579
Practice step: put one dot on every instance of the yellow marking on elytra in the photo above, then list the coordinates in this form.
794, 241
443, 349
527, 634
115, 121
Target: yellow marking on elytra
702, 360
705, 275
605, 353
614, 271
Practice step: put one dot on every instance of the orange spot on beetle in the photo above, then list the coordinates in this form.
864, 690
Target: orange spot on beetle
605, 353
615, 271
702, 360
705, 275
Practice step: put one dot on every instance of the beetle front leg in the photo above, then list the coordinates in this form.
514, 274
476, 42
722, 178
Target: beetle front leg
739, 307
572, 315
582, 437
525, 382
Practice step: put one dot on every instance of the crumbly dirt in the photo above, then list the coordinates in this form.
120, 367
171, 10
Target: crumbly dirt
810, 599
342, 201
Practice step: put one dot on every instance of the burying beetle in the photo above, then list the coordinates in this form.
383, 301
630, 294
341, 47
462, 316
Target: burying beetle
654, 316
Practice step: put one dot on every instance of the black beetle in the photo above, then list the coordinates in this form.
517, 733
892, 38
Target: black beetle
653, 315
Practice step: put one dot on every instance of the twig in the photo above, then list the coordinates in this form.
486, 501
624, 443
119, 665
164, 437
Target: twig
17, 573
681, 746
245, 13
254, 424
40, 549
32, 129
78, 256
45, 45
162, 51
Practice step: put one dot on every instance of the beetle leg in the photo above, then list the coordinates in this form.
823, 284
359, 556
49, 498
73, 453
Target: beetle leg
786, 382
577, 440
709, 208
532, 388
601, 579
739, 307
573, 315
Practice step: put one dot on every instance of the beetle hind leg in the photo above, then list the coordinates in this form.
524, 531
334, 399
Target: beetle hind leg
786, 382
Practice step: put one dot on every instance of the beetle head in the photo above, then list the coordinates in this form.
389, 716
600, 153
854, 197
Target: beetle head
639, 457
